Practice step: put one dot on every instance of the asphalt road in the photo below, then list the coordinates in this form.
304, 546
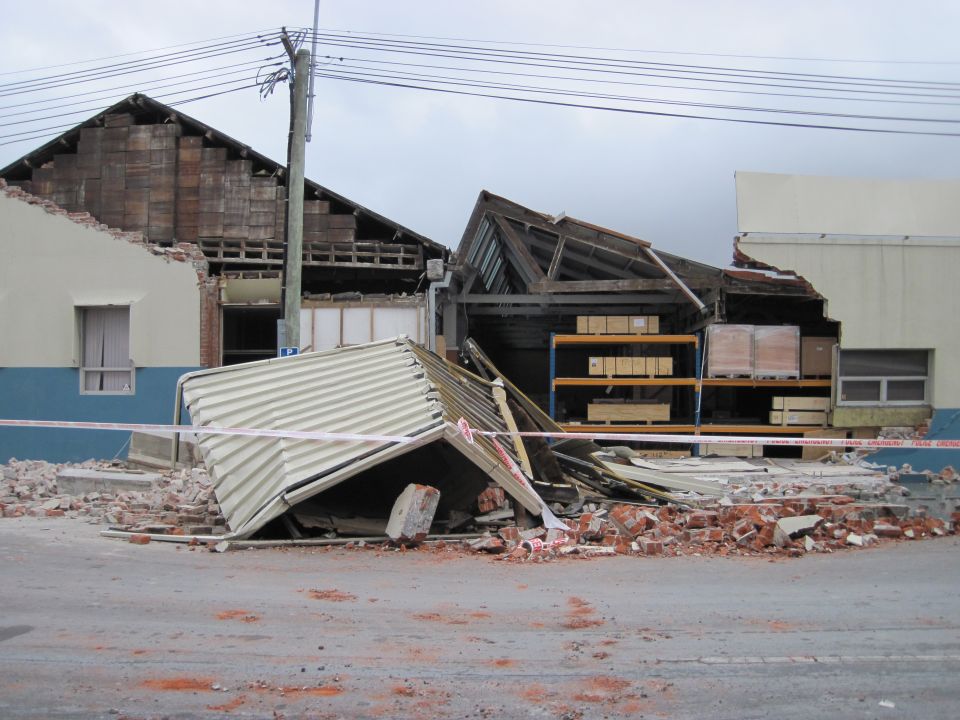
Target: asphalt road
96, 628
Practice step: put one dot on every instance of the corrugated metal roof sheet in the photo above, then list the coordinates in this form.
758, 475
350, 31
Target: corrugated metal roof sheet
390, 387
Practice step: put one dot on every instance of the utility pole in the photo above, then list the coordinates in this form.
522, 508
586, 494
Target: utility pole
313, 57
294, 240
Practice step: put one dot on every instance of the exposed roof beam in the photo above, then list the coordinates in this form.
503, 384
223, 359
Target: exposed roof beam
673, 276
593, 239
573, 254
581, 286
527, 265
521, 299
652, 301
555, 261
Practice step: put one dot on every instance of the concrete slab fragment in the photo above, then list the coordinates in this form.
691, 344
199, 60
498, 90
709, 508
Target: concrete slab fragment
792, 527
413, 513
77, 481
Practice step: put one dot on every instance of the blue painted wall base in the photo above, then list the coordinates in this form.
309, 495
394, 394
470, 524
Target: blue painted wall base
945, 425
54, 394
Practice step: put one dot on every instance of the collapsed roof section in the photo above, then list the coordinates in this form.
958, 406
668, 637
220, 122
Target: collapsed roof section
144, 166
508, 249
388, 389
520, 274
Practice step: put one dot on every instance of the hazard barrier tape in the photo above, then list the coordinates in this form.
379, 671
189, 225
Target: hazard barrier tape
206, 430
736, 440
469, 433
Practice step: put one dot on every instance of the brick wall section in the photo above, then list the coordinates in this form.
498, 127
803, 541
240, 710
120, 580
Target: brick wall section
210, 323
153, 179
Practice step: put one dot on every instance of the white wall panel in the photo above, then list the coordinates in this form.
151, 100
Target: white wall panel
391, 322
771, 203
326, 327
52, 265
356, 325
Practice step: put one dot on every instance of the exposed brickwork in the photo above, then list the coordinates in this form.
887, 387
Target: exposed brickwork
209, 323
182, 252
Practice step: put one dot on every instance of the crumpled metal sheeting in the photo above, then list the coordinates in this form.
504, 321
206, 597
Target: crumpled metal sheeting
391, 387
376, 389
465, 395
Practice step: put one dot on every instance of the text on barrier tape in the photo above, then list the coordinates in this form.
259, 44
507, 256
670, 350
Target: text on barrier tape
738, 440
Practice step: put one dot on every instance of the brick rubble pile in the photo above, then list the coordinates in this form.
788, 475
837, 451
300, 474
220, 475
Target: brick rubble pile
181, 502
758, 517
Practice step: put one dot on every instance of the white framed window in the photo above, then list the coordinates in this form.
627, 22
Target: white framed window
883, 377
105, 366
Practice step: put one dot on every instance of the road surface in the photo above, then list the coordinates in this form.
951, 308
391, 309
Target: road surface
98, 628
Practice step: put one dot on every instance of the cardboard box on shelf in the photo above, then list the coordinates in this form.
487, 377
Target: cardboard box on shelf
664, 365
732, 450
644, 324
798, 417
776, 351
638, 325
816, 356
595, 366
729, 351
617, 324
628, 412
800, 403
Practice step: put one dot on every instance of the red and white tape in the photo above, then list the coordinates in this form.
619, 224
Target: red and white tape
468, 432
206, 430
873, 444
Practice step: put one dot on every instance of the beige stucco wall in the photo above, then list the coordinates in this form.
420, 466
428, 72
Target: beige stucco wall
772, 203
886, 293
50, 265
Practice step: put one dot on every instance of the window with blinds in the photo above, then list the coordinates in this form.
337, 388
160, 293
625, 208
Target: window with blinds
105, 365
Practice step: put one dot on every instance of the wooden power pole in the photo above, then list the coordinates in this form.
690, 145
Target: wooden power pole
294, 242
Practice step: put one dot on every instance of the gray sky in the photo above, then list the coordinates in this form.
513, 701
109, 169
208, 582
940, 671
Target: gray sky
421, 158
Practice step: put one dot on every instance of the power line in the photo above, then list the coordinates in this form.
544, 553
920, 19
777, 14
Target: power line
109, 93
619, 70
87, 110
45, 133
446, 80
99, 73
42, 131
648, 50
386, 43
633, 111
137, 52
479, 70
594, 80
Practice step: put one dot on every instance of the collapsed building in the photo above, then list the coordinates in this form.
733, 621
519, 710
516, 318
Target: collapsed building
387, 444
113, 325
163, 244
602, 329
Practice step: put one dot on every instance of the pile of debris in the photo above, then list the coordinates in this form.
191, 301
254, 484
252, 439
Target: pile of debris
785, 525
174, 502
387, 442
